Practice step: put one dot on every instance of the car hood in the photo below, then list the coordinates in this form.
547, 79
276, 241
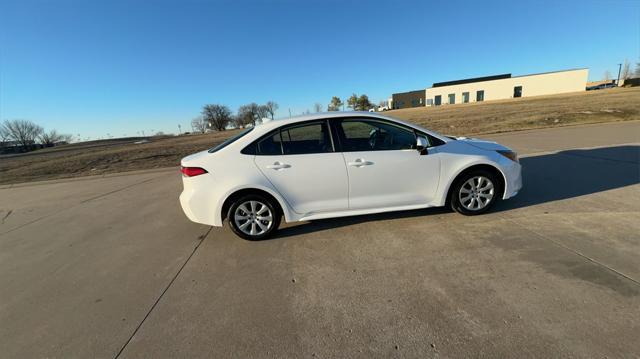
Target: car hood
483, 144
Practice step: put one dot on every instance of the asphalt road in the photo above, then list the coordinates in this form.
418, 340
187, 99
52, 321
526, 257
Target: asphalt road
110, 267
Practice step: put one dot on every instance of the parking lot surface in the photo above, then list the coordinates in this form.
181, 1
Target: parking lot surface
110, 267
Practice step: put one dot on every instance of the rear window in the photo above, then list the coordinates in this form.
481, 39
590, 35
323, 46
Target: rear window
229, 141
298, 139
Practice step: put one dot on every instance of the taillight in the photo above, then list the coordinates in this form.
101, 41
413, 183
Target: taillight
192, 171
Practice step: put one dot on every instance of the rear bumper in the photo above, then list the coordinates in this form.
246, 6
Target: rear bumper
198, 207
184, 203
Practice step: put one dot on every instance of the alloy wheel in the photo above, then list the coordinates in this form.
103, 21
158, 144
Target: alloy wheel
253, 218
476, 193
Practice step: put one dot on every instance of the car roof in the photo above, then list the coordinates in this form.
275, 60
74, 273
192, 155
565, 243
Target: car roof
273, 124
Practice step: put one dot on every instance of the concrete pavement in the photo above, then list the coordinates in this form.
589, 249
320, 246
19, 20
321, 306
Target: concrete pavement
110, 267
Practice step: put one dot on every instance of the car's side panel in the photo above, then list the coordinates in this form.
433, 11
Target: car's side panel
203, 196
380, 179
458, 156
310, 183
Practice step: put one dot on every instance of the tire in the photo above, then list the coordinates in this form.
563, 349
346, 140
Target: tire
248, 217
475, 192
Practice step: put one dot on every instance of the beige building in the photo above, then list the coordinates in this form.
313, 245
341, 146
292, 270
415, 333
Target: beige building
505, 86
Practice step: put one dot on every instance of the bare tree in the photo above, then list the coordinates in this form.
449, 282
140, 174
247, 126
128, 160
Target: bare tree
271, 107
4, 136
317, 107
626, 70
251, 114
199, 124
637, 72
216, 116
24, 132
262, 112
244, 116
335, 104
51, 138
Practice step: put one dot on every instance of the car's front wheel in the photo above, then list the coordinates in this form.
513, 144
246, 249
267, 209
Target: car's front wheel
474, 192
253, 217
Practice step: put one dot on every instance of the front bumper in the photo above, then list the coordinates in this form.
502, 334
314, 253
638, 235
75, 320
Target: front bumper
513, 179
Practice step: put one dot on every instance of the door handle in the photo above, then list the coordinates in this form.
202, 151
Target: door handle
360, 162
278, 166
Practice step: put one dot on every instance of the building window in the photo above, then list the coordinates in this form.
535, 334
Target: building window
465, 97
517, 91
438, 100
429, 102
480, 95
452, 99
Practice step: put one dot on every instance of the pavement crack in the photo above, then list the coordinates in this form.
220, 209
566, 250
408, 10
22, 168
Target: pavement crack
201, 239
592, 260
73, 206
116, 190
6, 215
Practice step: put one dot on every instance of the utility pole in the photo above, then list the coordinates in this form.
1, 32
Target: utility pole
619, 68
179, 130
289, 112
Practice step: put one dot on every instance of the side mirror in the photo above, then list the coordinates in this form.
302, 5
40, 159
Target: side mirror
421, 145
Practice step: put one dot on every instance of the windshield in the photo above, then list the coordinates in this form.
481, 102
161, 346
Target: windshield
229, 141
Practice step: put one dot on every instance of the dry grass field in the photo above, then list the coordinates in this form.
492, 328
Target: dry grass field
119, 155
527, 113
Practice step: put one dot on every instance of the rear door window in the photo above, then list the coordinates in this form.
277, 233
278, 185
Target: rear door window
271, 145
297, 140
311, 138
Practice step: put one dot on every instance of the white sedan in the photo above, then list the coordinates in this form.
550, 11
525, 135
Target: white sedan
341, 164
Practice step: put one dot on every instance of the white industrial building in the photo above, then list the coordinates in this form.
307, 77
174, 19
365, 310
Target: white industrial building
504, 86
498, 87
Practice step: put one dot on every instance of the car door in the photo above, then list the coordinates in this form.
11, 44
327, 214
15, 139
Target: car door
384, 167
302, 164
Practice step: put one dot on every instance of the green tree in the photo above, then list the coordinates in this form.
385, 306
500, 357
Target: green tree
335, 104
352, 102
363, 103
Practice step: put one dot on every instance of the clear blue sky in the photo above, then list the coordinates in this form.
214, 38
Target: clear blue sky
118, 67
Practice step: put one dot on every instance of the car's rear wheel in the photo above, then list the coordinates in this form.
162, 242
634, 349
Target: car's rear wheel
253, 217
474, 192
